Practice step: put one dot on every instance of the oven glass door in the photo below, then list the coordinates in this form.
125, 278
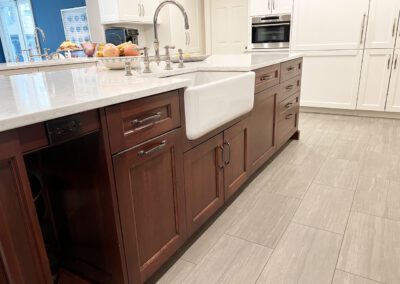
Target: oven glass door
271, 33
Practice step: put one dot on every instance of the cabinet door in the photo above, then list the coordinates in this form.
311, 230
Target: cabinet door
235, 157
150, 191
148, 8
261, 141
375, 75
23, 257
328, 25
393, 100
204, 182
382, 24
260, 7
330, 79
282, 6
119, 11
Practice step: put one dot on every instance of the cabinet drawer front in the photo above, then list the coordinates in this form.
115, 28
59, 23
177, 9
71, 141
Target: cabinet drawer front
289, 88
287, 126
288, 105
134, 122
291, 69
267, 77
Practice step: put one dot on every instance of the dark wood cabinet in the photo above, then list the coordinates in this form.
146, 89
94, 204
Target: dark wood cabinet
204, 181
262, 142
235, 157
151, 199
22, 252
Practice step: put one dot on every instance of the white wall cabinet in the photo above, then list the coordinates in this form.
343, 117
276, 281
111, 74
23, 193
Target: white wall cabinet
229, 23
329, 25
393, 99
330, 79
375, 76
267, 7
382, 24
127, 11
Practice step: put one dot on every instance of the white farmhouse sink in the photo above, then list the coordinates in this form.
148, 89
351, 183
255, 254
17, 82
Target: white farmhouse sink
215, 98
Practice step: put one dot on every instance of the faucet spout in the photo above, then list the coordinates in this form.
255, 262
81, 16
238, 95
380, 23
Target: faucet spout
155, 20
37, 42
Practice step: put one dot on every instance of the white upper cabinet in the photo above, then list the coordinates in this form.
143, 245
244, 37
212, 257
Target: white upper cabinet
127, 11
329, 25
330, 78
375, 74
268, 7
393, 99
382, 24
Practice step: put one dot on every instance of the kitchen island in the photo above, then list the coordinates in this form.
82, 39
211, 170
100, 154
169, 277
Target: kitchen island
98, 179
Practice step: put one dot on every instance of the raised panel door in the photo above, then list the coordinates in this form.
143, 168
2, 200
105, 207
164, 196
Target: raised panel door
393, 99
282, 6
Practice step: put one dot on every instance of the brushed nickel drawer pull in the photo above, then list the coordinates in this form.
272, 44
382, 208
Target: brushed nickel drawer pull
289, 87
291, 68
389, 60
229, 148
395, 62
266, 78
394, 27
152, 150
288, 116
149, 118
288, 105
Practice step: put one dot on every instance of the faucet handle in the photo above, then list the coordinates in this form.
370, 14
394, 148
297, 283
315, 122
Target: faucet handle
168, 57
146, 58
181, 65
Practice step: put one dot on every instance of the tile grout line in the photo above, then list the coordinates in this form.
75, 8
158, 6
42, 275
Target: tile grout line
315, 228
361, 276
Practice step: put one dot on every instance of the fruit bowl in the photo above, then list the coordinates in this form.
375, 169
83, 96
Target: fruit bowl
118, 63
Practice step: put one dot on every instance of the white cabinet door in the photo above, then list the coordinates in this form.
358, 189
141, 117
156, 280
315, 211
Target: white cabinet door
393, 99
282, 6
119, 11
329, 25
229, 23
260, 7
194, 9
330, 79
382, 23
148, 9
375, 76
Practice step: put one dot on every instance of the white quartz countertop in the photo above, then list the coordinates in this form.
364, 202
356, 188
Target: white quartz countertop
44, 63
30, 98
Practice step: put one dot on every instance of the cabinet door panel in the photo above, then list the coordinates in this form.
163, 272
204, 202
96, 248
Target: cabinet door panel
236, 157
375, 76
262, 127
282, 6
203, 182
328, 25
393, 100
382, 24
149, 181
330, 79
260, 7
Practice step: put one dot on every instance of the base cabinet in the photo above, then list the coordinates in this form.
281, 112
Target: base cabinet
262, 142
204, 182
151, 203
393, 99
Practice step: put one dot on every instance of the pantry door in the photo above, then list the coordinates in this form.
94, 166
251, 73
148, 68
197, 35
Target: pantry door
229, 26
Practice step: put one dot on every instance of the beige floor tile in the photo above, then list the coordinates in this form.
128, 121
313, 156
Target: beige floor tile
210, 236
347, 150
325, 208
265, 222
380, 165
342, 277
177, 273
304, 255
371, 248
309, 155
300, 179
339, 173
231, 260
321, 138
378, 197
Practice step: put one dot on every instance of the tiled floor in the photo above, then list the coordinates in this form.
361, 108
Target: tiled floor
326, 210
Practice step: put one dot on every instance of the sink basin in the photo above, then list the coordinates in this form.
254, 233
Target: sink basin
215, 98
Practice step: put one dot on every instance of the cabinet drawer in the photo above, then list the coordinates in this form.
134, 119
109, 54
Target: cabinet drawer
287, 126
291, 69
288, 105
288, 88
267, 77
137, 121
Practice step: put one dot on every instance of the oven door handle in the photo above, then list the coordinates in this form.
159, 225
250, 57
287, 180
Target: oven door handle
270, 25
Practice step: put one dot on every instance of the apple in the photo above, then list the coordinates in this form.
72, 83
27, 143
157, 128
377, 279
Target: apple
131, 50
110, 50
